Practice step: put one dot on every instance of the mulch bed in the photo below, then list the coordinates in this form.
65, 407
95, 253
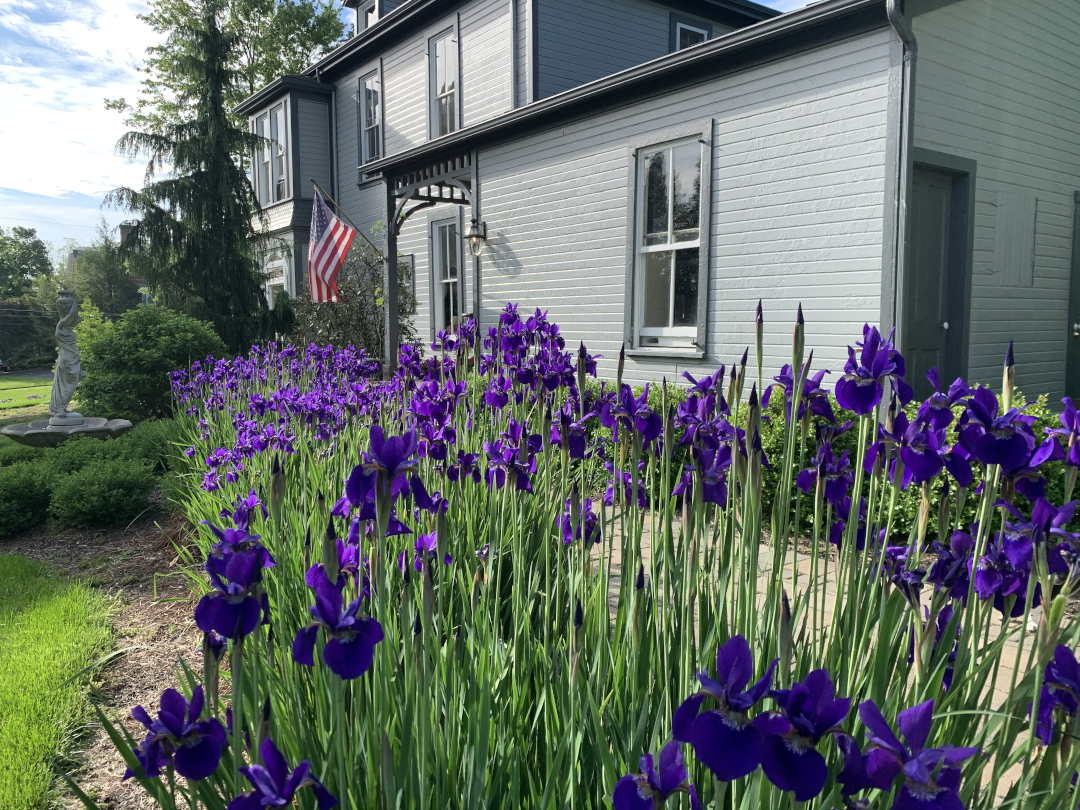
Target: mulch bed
138, 566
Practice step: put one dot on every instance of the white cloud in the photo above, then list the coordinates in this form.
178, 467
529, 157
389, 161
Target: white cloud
789, 5
59, 60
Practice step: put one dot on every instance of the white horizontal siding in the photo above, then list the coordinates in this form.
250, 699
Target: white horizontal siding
314, 148
405, 85
363, 203
999, 82
522, 44
798, 179
487, 47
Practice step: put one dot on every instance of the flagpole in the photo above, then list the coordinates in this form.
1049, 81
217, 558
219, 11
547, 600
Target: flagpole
338, 207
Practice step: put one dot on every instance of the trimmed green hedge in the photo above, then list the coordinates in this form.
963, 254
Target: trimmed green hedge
83, 482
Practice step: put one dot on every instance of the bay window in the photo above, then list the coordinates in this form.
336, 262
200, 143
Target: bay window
271, 156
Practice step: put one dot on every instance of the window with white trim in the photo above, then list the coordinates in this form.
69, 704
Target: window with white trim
443, 83
668, 244
687, 36
446, 275
271, 156
370, 118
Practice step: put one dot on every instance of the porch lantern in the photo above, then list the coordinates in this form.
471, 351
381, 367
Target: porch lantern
475, 237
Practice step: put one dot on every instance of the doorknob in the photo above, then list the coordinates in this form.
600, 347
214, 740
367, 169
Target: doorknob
945, 326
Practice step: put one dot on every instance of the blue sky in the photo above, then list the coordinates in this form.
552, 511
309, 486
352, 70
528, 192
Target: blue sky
59, 60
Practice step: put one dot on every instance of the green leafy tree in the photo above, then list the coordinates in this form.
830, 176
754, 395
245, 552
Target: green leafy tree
102, 278
193, 240
274, 37
23, 256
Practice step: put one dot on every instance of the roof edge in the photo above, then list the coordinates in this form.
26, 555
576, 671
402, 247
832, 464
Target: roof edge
280, 87
817, 22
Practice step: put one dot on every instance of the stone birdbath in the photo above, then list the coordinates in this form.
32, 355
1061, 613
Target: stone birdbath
62, 424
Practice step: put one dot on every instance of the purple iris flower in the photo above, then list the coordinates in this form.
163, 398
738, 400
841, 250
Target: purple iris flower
1061, 690
834, 472
887, 758
790, 759
275, 784
232, 608
233, 540
388, 461
651, 788
425, 548
712, 469
464, 467
951, 570
625, 480
193, 744
993, 438
862, 386
936, 411
843, 514
243, 510
1002, 574
505, 462
1069, 432
633, 413
925, 453
725, 739
350, 647
814, 397
587, 523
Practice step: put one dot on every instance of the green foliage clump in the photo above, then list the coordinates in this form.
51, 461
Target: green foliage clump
151, 441
24, 497
14, 453
128, 362
50, 630
104, 492
79, 452
22, 257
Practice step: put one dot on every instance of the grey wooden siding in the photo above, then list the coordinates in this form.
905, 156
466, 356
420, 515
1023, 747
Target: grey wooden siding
522, 44
487, 46
580, 42
363, 203
405, 87
999, 82
314, 146
798, 167
415, 239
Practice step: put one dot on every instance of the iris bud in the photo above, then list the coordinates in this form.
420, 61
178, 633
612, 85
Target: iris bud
1007, 378
329, 551
277, 489
622, 364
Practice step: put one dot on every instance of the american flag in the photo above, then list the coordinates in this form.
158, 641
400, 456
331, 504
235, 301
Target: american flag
329, 245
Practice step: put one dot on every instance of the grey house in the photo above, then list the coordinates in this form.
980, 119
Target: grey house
648, 170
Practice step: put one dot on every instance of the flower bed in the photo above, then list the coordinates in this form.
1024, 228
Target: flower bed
425, 600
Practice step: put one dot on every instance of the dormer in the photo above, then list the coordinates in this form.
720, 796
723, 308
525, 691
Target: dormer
369, 12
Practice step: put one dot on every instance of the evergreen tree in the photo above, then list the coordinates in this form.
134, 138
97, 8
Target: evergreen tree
276, 37
192, 242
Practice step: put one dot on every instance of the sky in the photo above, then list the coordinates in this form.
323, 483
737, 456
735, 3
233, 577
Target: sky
59, 61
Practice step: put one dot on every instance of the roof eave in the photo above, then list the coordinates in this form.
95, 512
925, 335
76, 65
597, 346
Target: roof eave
816, 22
278, 88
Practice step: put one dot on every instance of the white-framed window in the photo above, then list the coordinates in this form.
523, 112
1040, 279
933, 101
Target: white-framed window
443, 83
271, 156
370, 118
408, 260
446, 275
686, 36
262, 159
668, 244
367, 14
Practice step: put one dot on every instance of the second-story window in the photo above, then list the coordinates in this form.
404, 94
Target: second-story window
688, 36
271, 157
370, 118
443, 61
277, 135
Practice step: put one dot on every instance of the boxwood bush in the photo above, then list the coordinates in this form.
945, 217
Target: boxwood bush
103, 493
24, 497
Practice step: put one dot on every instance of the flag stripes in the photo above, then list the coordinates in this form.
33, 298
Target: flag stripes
329, 244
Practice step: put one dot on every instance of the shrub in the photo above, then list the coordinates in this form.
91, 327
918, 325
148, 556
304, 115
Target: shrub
75, 454
128, 362
24, 497
152, 442
104, 492
15, 453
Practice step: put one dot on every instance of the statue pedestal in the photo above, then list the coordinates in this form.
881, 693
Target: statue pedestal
45, 433
69, 419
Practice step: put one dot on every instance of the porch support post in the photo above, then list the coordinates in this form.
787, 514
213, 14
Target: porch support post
390, 278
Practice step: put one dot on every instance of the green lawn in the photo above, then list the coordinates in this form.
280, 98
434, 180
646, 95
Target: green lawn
24, 397
22, 381
50, 629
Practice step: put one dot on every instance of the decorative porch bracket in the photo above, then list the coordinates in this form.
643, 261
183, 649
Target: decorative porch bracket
429, 185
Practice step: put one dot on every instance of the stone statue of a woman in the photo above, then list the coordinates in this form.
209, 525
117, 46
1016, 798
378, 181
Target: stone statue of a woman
68, 370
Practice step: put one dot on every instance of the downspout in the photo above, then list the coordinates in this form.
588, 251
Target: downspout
902, 26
